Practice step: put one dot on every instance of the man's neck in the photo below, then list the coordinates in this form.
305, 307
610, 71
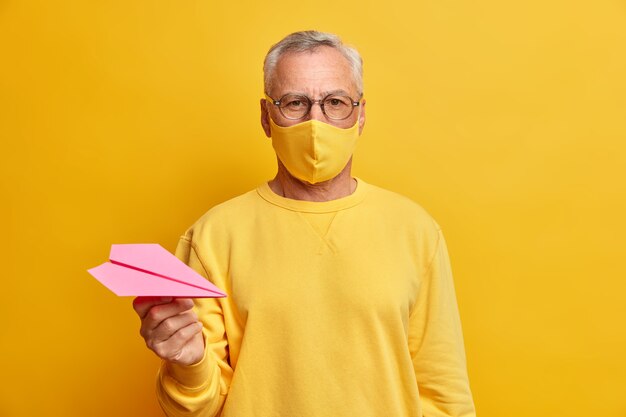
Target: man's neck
286, 185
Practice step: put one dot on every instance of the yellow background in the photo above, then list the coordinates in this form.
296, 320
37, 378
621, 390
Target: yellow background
124, 121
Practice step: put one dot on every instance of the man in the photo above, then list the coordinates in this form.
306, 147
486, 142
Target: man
340, 298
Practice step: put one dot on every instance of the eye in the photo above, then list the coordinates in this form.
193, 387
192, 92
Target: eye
337, 101
294, 102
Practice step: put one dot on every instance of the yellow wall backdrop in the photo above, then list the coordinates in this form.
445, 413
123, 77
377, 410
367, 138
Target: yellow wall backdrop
124, 121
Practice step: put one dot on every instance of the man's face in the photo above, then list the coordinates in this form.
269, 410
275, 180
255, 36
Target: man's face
315, 75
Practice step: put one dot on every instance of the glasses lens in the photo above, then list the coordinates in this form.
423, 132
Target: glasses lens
338, 107
294, 107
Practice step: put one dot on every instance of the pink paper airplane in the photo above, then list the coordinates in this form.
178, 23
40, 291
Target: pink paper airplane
150, 270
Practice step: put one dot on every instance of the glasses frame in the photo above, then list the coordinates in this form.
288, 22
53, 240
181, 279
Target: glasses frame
310, 103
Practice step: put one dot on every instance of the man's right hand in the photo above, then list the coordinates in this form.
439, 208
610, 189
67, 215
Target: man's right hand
171, 328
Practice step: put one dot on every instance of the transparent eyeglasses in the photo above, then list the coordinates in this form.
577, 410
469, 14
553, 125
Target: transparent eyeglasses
295, 106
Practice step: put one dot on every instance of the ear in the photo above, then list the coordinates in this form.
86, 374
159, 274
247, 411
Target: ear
265, 118
362, 117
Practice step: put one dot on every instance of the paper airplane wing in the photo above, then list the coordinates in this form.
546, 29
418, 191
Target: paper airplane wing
150, 270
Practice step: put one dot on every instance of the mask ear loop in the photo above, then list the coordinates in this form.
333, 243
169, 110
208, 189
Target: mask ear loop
358, 119
269, 101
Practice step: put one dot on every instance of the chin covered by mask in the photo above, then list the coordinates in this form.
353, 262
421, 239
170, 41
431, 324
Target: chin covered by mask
314, 151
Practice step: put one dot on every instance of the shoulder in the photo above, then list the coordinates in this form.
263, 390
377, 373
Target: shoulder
404, 220
399, 208
223, 217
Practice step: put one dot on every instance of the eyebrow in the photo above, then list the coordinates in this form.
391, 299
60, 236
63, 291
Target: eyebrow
324, 93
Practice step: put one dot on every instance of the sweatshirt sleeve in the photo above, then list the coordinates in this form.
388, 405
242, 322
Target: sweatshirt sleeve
436, 342
199, 389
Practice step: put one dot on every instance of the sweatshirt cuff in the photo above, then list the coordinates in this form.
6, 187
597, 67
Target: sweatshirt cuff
193, 377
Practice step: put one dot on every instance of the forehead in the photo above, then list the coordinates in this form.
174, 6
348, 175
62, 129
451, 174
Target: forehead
322, 70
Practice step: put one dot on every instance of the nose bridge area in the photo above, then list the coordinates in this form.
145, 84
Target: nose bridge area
316, 111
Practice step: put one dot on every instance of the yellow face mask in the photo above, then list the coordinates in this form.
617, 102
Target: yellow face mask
314, 151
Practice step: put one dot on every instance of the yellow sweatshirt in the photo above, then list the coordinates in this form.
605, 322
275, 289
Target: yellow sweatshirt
344, 308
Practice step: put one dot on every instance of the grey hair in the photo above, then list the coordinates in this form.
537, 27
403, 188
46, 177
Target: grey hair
308, 41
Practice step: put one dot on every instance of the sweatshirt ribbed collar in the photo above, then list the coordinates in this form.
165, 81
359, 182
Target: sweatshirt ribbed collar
343, 203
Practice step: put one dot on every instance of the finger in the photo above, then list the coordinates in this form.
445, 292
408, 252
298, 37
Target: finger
168, 327
157, 313
173, 348
143, 304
